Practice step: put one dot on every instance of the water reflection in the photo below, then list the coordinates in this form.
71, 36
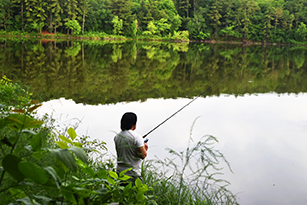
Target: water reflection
102, 73
262, 136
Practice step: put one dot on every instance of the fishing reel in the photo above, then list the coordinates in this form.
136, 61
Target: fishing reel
146, 140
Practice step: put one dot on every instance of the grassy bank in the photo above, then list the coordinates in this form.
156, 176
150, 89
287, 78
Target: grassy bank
180, 36
177, 37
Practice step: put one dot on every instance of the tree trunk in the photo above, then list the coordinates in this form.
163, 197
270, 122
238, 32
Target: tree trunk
83, 55
22, 53
245, 27
187, 8
83, 22
21, 13
194, 8
50, 25
4, 24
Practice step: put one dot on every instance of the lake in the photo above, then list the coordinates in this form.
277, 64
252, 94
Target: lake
258, 113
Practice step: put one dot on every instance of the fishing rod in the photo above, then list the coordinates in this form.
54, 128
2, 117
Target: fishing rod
229, 74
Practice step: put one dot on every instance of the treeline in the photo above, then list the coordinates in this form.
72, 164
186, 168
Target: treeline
93, 73
279, 21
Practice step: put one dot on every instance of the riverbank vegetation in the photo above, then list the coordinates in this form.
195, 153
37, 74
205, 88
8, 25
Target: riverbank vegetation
40, 165
264, 21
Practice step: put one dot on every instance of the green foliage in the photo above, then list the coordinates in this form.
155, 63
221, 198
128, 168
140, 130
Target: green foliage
73, 50
117, 26
12, 94
257, 20
230, 33
74, 26
37, 26
181, 35
301, 33
70, 179
134, 27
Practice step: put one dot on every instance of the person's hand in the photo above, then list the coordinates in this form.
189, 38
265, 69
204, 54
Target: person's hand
146, 146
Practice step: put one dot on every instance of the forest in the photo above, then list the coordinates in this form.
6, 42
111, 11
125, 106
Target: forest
264, 21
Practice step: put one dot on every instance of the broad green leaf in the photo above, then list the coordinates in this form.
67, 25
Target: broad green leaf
54, 176
13, 139
78, 144
36, 142
34, 172
62, 145
79, 153
84, 191
68, 194
125, 177
66, 157
17, 118
65, 139
46, 200
138, 183
113, 174
17, 193
18, 150
39, 154
72, 133
61, 169
34, 124
86, 169
26, 201
23, 121
75, 178
122, 173
103, 174
140, 196
111, 181
10, 164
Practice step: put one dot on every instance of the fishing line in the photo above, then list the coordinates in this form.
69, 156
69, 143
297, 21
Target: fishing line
193, 100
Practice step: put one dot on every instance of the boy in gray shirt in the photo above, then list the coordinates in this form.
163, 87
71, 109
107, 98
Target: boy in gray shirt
130, 147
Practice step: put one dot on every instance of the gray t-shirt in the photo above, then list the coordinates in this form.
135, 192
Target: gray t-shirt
126, 144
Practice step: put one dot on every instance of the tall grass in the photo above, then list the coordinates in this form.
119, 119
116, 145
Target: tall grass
189, 176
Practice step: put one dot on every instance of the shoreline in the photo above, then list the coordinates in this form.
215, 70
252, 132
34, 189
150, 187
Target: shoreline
53, 37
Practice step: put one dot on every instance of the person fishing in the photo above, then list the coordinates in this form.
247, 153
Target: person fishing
130, 147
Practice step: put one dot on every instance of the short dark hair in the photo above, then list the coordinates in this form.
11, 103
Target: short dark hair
128, 120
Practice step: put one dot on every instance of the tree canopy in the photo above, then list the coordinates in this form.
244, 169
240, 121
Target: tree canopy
275, 21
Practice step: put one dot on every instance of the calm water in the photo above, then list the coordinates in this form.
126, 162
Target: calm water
258, 114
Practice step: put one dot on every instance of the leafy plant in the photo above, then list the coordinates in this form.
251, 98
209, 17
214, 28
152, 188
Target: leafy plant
117, 25
74, 26
68, 178
12, 94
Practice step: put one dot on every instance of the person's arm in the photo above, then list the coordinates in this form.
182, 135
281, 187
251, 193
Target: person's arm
143, 151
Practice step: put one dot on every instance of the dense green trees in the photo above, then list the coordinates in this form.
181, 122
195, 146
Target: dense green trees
279, 21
